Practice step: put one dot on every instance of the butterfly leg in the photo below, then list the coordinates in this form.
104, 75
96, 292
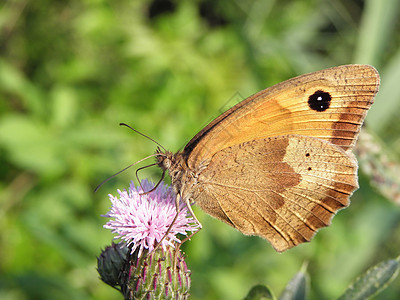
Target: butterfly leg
168, 230
177, 200
189, 207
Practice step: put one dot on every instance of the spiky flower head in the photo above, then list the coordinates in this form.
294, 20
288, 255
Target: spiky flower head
142, 219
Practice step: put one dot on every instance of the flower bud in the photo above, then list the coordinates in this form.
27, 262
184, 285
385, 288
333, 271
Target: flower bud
111, 262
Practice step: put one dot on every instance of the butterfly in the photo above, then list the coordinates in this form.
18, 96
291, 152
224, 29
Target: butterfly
279, 164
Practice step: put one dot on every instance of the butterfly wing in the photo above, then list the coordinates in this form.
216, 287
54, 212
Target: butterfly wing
279, 164
330, 104
283, 188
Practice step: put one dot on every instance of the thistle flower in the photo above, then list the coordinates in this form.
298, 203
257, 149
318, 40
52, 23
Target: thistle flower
142, 220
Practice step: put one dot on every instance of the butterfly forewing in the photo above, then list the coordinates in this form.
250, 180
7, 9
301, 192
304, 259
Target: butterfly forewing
291, 107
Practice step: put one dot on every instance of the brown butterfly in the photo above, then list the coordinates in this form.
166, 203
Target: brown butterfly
279, 164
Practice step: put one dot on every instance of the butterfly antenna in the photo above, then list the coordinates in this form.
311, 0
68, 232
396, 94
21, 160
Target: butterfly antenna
124, 169
142, 134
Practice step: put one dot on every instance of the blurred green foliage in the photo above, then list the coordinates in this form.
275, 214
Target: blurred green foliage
70, 71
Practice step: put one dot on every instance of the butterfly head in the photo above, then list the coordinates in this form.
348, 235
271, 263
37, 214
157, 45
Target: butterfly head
164, 159
170, 162
178, 170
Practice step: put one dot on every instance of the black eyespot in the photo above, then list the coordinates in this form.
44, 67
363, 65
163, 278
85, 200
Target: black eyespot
307, 154
309, 169
319, 101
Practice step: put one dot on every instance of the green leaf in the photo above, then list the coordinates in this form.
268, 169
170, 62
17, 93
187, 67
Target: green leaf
382, 115
297, 287
259, 292
373, 281
377, 25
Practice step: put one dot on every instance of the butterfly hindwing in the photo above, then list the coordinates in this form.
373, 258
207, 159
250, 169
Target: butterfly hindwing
283, 188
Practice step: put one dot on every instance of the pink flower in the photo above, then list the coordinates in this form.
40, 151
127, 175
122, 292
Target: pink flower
143, 220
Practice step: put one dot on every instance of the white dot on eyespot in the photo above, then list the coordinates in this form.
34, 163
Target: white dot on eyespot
319, 98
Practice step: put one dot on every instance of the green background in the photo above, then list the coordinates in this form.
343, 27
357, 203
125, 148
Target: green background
70, 71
